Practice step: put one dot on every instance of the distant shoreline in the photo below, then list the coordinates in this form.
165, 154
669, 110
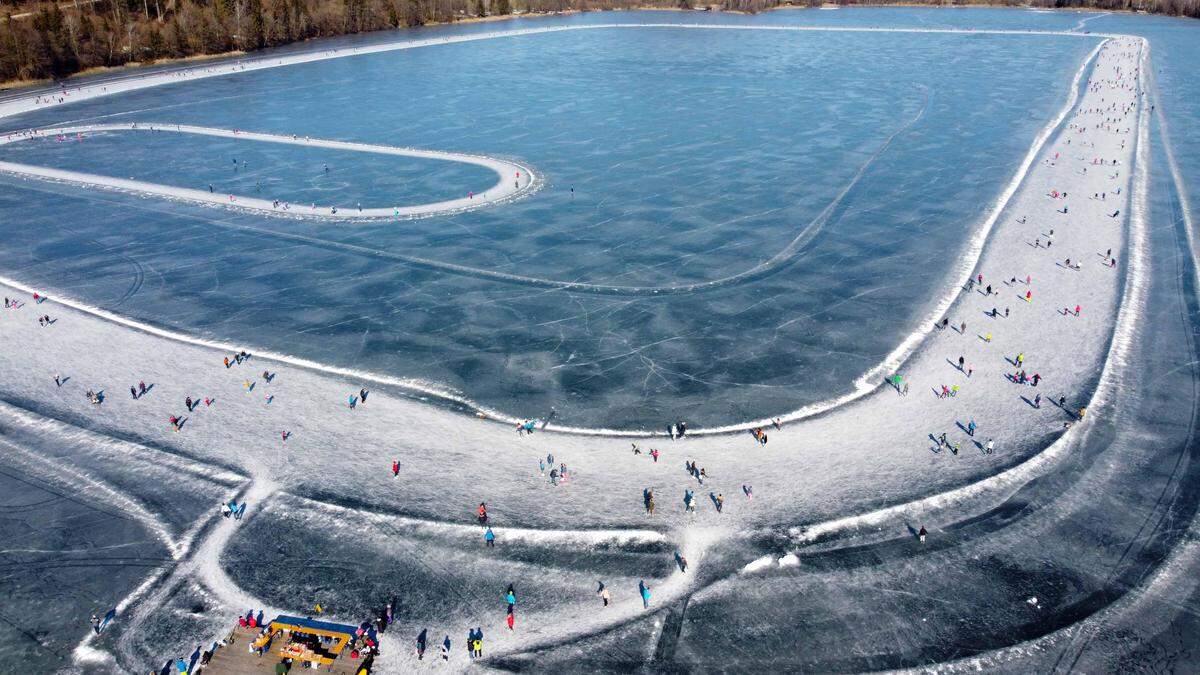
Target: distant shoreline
12, 86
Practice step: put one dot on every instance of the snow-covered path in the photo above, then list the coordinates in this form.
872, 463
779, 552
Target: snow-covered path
513, 180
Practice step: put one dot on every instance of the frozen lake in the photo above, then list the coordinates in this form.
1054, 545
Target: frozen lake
693, 156
730, 225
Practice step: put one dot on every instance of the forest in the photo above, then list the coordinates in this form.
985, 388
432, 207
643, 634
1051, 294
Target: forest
44, 40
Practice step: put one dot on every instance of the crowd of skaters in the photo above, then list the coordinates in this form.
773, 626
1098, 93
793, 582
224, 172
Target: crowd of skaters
1112, 116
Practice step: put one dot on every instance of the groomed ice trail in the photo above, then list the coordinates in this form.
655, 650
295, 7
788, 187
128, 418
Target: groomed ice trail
841, 452
957, 503
1176, 576
513, 180
863, 385
465, 532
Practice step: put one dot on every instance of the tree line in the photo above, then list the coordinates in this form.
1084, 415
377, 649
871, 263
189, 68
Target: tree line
56, 39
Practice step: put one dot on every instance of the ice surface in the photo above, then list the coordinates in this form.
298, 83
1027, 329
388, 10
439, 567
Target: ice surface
1097, 528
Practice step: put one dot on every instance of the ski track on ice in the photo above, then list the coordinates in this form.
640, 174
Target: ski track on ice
502, 191
64, 476
204, 561
419, 526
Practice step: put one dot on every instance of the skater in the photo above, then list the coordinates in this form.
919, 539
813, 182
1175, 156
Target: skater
353, 400
605, 597
489, 538
681, 561
644, 591
991, 445
132, 391
362, 395
96, 624
421, 644
510, 597
1037, 401
395, 468
748, 491
921, 534
481, 513
971, 428
446, 649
